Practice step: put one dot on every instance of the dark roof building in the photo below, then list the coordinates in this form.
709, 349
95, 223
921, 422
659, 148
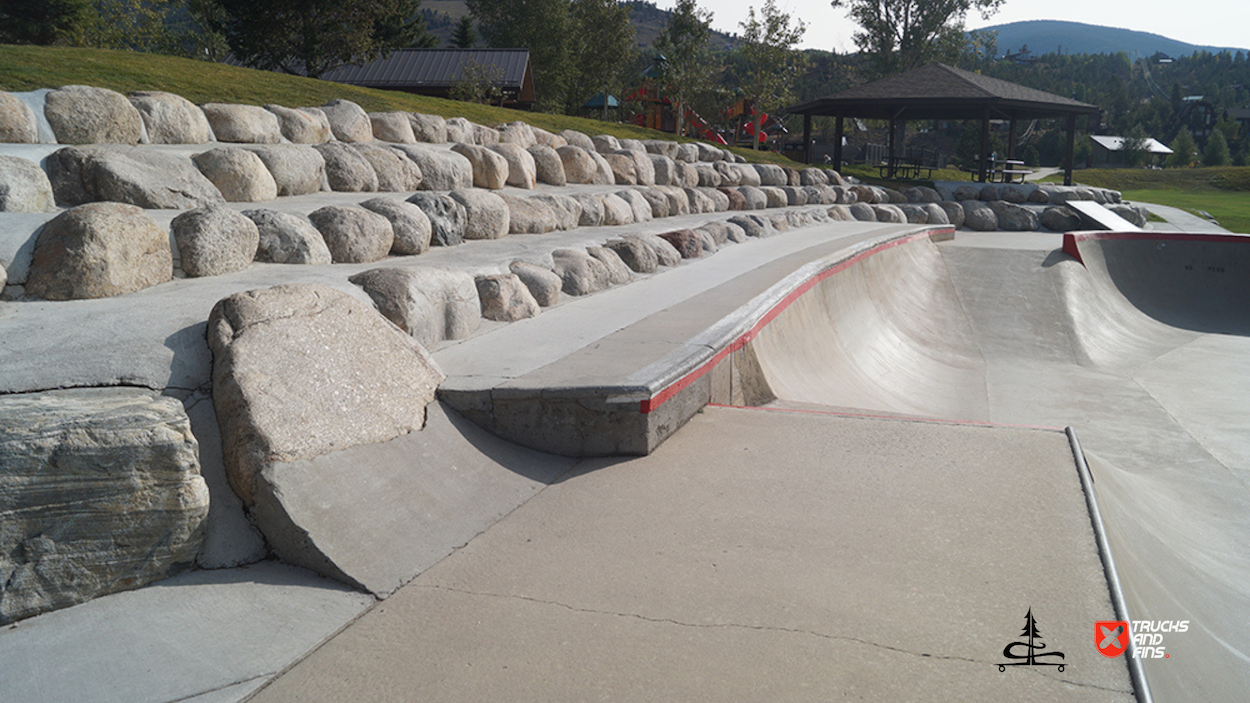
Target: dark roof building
941, 92
435, 71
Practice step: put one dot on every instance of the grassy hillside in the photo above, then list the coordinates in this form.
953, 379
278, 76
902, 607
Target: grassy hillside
29, 68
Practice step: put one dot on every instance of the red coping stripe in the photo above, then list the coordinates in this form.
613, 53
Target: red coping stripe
1072, 239
655, 401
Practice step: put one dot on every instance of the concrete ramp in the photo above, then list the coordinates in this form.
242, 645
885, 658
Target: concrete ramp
1101, 216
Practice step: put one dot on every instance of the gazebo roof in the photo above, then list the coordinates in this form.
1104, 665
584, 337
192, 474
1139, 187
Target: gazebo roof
942, 92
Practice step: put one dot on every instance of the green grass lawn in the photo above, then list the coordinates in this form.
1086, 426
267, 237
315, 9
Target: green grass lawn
29, 68
1231, 210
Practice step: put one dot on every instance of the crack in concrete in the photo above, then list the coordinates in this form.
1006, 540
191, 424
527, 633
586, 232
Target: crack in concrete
761, 628
118, 384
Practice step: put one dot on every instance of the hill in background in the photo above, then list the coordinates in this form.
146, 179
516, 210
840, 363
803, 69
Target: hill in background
1053, 36
648, 20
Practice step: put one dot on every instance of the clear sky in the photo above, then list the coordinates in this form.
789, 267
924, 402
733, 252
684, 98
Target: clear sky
1203, 22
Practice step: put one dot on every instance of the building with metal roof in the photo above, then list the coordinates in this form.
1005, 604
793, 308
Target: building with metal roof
941, 92
436, 71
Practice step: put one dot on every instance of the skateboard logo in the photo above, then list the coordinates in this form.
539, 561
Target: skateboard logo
1111, 637
1032, 646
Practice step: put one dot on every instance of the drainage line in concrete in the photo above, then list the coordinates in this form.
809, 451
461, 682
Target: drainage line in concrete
1135, 670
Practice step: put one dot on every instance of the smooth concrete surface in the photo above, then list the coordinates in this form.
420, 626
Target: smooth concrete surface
1179, 220
206, 636
757, 555
1009, 335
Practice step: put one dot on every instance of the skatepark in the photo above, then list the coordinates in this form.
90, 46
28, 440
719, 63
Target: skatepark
838, 458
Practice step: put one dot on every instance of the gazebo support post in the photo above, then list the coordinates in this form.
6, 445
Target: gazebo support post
889, 159
1070, 154
985, 147
837, 144
1011, 139
807, 138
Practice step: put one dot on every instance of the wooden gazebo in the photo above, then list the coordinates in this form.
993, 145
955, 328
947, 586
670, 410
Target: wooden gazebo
941, 92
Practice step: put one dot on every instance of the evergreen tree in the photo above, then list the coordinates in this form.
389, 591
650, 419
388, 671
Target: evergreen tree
464, 36
684, 41
898, 35
1133, 146
44, 21
1216, 153
1184, 150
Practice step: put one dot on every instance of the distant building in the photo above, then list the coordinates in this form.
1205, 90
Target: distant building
1107, 151
436, 71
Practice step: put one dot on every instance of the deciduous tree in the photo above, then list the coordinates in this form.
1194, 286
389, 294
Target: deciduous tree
903, 34
602, 48
542, 26
685, 42
44, 21
772, 64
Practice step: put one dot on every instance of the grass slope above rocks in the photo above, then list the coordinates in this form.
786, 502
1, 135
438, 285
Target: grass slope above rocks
1223, 192
25, 68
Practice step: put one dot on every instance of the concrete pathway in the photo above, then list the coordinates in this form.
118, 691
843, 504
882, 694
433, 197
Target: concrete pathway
757, 555
1179, 220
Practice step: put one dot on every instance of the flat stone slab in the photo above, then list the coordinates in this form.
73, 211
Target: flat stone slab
1101, 216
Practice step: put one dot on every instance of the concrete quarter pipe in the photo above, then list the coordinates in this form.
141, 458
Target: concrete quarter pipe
1139, 344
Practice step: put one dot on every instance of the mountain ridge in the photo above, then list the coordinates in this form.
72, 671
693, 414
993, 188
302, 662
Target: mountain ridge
1061, 36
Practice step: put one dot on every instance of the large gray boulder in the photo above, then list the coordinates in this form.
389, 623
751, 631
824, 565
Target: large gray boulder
358, 381
431, 304
565, 208
522, 170
545, 138
284, 238
579, 272
348, 121
529, 215
392, 127
239, 174
18, 124
755, 198
661, 147
409, 223
618, 272
639, 207
658, 202
81, 114
347, 170
709, 177
685, 241
297, 169
579, 167
441, 169
548, 167
665, 253
247, 124
678, 200
936, 214
505, 298
592, 210
687, 153
517, 133
644, 170
214, 240
954, 212
101, 492
490, 170
1059, 218
624, 173
863, 212
635, 254
979, 217
776, 197
395, 171
616, 211
577, 139
353, 234
1135, 214
459, 130
488, 216
307, 125
447, 218
771, 175
605, 143
24, 187
122, 174
542, 283
1014, 218
663, 168
98, 250
428, 128
171, 119
483, 135
915, 214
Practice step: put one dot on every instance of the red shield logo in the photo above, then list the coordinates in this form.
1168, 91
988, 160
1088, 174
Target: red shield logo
1111, 637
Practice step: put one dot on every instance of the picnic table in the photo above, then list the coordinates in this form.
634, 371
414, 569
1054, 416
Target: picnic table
1003, 171
899, 167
